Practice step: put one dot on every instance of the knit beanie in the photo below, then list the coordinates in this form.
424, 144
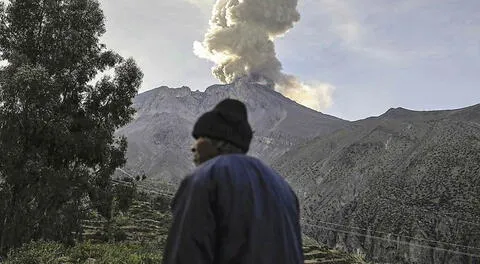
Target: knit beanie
228, 121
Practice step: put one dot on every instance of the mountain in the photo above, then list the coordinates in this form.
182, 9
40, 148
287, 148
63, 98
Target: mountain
160, 138
403, 187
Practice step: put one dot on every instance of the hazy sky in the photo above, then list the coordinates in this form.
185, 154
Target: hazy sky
378, 54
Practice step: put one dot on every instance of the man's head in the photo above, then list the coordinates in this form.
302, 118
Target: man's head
223, 130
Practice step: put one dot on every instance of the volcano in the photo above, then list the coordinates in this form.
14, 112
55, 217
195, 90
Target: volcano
160, 138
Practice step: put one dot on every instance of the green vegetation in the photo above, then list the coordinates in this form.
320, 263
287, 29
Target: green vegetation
57, 144
136, 236
55, 253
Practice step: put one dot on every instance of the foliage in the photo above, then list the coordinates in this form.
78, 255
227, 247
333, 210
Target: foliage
124, 195
57, 143
55, 253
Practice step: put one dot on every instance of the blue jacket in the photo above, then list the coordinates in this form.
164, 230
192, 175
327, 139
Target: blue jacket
234, 209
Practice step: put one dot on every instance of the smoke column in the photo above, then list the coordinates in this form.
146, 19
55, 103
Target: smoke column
240, 43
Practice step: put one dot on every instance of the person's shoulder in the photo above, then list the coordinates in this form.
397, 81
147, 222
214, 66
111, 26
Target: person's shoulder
236, 159
231, 164
242, 163
228, 163
209, 167
238, 162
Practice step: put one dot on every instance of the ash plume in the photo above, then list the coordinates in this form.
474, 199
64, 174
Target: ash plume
240, 43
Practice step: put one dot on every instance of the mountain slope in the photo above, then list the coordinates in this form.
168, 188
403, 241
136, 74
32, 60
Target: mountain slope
394, 187
160, 135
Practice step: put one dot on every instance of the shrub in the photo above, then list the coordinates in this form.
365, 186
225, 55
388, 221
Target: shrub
103, 253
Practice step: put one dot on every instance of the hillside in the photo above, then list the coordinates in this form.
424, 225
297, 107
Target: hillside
402, 188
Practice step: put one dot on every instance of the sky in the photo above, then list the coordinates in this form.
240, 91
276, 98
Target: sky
377, 54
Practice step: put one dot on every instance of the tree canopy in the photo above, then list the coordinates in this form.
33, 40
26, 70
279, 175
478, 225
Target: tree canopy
57, 143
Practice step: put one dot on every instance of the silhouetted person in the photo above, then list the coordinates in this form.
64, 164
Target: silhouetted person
232, 208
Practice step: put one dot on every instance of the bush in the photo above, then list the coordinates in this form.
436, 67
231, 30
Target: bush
105, 253
161, 204
119, 235
37, 252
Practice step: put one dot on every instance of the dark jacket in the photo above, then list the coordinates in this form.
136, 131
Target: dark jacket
234, 209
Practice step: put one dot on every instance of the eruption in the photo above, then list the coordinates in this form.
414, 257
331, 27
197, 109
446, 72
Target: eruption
240, 43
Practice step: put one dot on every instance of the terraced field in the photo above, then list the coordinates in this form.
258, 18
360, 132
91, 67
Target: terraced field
148, 220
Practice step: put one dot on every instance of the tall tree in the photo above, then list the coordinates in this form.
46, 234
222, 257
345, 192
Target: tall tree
57, 143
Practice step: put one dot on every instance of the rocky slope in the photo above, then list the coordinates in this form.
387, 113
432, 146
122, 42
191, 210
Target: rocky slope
160, 135
401, 188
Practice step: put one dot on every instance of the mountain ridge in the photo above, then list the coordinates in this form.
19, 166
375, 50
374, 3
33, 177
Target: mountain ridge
160, 135
383, 174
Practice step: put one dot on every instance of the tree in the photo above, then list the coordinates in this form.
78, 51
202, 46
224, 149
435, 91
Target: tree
57, 143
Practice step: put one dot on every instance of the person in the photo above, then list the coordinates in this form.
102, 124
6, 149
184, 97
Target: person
232, 208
